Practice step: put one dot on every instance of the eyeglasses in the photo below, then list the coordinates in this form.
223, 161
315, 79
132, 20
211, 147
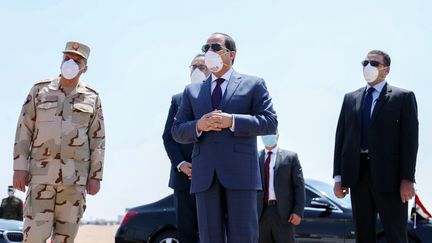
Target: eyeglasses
200, 67
373, 63
215, 47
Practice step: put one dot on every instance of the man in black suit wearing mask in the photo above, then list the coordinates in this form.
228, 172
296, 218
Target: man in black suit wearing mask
281, 204
375, 152
181, 163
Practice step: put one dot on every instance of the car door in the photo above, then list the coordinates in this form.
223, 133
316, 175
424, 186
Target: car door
321, 224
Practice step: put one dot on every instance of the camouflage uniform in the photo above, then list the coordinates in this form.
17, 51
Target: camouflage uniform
60, 140
11, 208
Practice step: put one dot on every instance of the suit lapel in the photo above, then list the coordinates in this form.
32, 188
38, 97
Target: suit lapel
382, 99
358, 105
261, 163
205, 94
277, 164
230, 89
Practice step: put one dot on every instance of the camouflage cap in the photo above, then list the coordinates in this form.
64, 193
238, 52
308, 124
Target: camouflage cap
77, 48
10, 188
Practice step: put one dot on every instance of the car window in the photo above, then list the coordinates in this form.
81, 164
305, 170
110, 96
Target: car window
309, 196
327, 190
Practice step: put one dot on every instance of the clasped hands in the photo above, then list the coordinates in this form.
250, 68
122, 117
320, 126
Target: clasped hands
214, 121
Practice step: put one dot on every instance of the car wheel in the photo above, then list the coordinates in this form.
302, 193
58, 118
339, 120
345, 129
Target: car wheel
169, 236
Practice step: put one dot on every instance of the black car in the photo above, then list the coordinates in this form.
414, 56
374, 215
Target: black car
326, 219
11, 231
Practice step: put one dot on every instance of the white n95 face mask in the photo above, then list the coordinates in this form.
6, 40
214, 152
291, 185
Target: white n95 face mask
370, 73
69, 69
197, 76
213, 61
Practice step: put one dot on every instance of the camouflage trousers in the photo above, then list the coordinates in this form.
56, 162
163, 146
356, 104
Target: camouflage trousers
55, 209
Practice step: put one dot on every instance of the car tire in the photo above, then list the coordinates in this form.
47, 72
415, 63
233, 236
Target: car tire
169, 236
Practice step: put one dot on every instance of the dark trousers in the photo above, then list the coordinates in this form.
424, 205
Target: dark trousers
226, 214
272, 229
186, 215
367, 202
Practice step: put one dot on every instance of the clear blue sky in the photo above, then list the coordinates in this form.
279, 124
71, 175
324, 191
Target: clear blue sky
308, 52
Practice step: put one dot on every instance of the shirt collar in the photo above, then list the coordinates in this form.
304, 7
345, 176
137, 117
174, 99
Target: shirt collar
378, 87
55, 85
274, 150
226, 76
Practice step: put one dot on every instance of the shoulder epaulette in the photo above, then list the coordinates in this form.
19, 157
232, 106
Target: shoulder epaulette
90, 88
43, 81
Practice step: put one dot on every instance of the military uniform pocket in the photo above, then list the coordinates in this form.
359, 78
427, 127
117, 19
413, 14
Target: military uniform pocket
82, 155
81, 113
39, 167
46, 111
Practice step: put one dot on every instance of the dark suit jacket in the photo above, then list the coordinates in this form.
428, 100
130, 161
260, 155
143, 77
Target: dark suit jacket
392, 139
175, 151
231, 155
288, 184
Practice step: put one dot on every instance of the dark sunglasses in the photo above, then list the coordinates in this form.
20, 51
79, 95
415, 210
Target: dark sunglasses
372, 63
215, 47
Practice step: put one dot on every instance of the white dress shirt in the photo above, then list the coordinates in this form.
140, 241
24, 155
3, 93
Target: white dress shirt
223, 85
271, 191
375, 94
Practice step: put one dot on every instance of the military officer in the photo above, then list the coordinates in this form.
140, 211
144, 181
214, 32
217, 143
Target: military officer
59, 150
11, 207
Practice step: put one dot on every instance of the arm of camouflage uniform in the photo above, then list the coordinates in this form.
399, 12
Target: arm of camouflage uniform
96, 134
24, 132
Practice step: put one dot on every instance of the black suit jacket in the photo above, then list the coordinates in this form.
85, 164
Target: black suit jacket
288, 184
176, 152
392, 139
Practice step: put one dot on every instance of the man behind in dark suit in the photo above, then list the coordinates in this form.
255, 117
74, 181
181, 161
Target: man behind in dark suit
222, 117
181, 164
375, 152
281, 205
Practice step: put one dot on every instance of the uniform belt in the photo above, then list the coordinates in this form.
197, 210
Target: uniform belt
271, 203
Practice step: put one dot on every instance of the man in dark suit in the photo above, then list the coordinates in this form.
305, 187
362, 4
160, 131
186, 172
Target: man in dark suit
181, 164
222, 117
375, 152
281, 205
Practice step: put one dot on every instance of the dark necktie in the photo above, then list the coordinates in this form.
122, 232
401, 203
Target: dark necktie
366, 117
267, 176
217, 93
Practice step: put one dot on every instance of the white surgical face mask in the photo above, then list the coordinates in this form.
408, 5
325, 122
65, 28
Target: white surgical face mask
197, 76
213, 61
10, 193
269, 140
69, 69
370, 73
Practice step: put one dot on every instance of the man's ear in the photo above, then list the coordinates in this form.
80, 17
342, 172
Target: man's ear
388, 70
233, 55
